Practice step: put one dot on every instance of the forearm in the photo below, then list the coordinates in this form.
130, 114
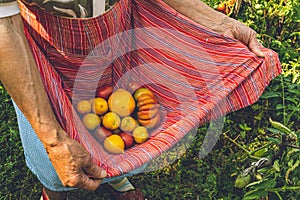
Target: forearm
21, 78
201, 13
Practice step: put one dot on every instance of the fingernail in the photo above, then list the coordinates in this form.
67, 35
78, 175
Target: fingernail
261, 54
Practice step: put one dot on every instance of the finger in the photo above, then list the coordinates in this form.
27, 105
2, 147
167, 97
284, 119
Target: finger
93, 171
229, 33
88, 183
255, 47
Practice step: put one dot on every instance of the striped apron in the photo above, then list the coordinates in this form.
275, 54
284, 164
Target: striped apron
197, 75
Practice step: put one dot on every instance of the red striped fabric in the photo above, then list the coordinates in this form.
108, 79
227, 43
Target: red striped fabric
196, 74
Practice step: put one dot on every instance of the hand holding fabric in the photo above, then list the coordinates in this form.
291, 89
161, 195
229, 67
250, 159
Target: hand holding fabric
235, 29
74, 165
20, 76
201, 13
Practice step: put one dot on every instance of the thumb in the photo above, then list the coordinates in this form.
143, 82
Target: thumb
255, 47
94, 172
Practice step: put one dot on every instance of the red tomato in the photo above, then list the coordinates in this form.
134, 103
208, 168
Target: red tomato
127, 138
104, 91
231, 2
102, 133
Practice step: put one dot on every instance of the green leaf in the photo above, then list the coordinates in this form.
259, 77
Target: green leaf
296, 33
263, 184
280, 126
242, 181
274, 130
255, 194
254, 183
268, 95
245, 127
261, 152
274, 140
294, 91
260, 189
294, 100
276, 166
290, 163
295, 78
279, 106
292, 151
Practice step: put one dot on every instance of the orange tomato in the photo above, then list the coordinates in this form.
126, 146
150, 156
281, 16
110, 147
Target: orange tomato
121, 102
147, 114
99, 106
142, 92
231, 2
111, 121
150, 123
221, 7
114, 144
149, 107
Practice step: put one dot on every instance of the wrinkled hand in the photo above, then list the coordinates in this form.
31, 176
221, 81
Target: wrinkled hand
243, 33
218, 22
74, 165
20, 75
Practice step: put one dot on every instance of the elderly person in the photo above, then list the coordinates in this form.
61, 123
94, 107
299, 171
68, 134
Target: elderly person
61, 163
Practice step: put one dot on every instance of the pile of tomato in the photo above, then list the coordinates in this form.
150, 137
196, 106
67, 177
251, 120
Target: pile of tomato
121, 118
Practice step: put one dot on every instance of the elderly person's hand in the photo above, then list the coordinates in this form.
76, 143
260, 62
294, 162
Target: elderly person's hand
235, 29
20, 76
74, 165
218, 22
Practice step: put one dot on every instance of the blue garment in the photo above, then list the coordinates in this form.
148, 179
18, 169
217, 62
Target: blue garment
38, 161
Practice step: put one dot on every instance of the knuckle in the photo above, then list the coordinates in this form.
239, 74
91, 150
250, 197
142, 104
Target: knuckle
70, 182
253, 33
